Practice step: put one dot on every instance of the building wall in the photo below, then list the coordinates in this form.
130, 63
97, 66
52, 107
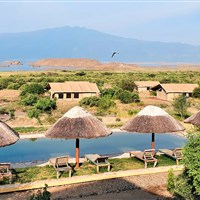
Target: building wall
170, 96
80, 95
161, 95
142, 89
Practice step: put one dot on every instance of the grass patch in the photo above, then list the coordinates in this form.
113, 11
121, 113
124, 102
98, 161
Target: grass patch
30, 174
23, 130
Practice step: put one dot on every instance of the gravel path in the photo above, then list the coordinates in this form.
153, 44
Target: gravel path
141, 187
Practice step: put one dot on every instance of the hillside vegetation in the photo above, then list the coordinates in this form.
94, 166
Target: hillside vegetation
30, 104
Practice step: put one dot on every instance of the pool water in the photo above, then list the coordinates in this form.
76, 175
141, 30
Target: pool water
43, 149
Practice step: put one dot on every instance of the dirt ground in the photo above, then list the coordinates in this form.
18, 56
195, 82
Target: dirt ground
152, 186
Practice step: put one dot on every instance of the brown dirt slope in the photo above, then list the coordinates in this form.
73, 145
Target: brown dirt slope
83, 63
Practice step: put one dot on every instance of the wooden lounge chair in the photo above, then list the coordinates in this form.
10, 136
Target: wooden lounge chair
5, 171
147, 156
175, 154
61, 164
99, 161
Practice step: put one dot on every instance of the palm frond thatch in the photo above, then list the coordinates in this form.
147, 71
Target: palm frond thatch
194, 119
7, 135
153, 119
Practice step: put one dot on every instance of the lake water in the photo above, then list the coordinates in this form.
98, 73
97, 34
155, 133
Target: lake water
43, 149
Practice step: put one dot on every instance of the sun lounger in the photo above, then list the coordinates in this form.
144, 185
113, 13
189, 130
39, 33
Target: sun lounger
147, 156
5, 171
175, 154
99, 161
61, 164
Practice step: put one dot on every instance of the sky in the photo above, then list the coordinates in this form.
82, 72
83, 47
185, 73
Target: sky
164, 20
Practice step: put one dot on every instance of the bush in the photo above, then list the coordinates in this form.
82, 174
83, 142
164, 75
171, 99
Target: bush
131, 112
183, 188
128, 97
29, 99
196, 92
14, 86
180, 106
34, 113
191, 161
105, 102
33, 88
82, 73
45, 104
170, 181
110, 91
127, 84
89, 101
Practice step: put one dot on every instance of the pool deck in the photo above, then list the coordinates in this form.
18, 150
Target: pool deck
86, 178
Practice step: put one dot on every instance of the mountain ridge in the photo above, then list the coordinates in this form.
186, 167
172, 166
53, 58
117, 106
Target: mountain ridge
77, 42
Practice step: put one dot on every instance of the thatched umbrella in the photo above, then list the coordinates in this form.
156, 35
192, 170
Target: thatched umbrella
75, 124
7, 135
153, 119
194, 119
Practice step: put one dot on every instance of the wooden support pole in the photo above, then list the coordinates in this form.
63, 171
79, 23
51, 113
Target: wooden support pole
77, 152
152, 141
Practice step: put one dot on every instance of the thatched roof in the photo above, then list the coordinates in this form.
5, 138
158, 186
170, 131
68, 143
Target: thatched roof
7, 135
78, 123
194, 119
153, 119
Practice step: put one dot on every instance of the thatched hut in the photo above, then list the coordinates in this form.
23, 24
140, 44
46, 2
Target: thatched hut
75, 124
7, 135
153, 119
194, 119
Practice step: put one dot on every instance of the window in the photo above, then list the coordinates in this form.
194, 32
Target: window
76, 95
60, 95
69, 95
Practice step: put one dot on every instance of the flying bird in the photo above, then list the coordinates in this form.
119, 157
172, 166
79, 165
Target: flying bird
114, 53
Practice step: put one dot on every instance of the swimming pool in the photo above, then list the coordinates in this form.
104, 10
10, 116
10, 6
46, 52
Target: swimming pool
43, 149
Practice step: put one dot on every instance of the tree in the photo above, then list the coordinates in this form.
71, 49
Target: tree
180, 105
45, 104
33, 88
196, 92
187, 185
128, 97
29, 99
127, 84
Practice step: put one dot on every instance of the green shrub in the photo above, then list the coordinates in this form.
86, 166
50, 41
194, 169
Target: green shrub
14, 86
191, 161
196, 92
82, 73
127, 84
33, 88
132, 111
45, 104
28, 99
110, 91
170, 181
183, 188
128, 97
105, 102
34, 113
180, 105
89, 101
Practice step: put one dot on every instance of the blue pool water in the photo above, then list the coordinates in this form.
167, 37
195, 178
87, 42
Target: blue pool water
43, 149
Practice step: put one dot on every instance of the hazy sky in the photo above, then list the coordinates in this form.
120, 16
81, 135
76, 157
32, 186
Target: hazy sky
170, 21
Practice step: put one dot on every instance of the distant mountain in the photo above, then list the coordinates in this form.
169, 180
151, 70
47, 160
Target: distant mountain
76, 42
